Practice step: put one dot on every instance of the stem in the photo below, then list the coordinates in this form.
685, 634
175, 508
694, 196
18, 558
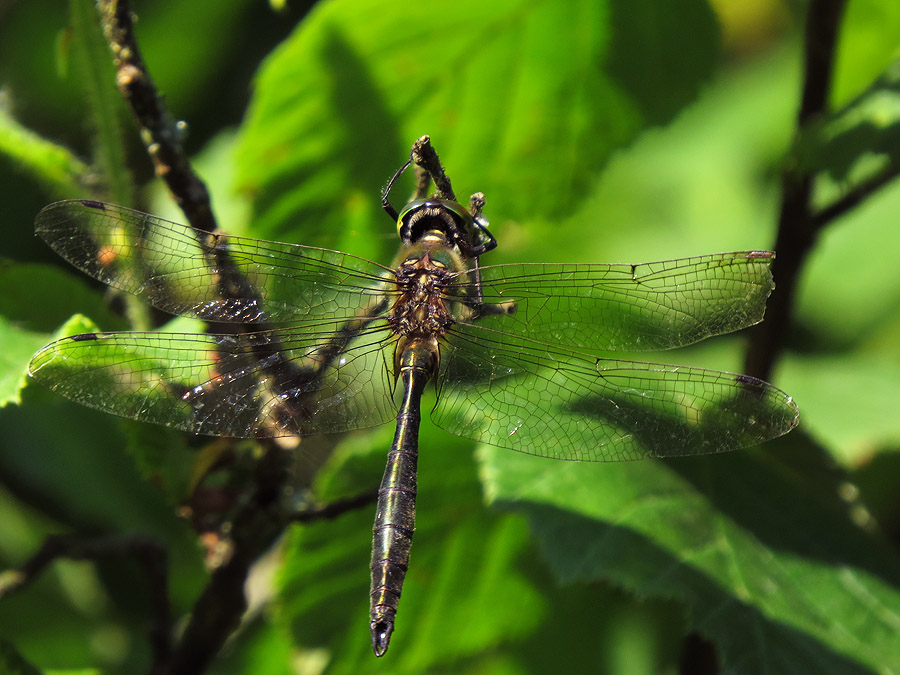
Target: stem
55, 166
160, 133
796, 231
855, 197
218, 611
261, 519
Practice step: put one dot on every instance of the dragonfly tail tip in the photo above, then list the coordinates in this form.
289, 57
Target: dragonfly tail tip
381, 636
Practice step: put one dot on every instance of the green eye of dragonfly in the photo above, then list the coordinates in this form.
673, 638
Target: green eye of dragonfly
323, 340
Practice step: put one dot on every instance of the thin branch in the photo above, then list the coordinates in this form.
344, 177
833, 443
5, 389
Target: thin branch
146, 551
796, 232
855, 197
159, 131
336, 508
425, 157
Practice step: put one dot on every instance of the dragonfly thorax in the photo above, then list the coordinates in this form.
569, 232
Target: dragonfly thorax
420, 310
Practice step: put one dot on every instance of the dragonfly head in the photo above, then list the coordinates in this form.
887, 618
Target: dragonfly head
435, 217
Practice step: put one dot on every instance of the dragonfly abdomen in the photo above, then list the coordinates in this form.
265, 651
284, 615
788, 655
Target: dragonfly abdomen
396, 512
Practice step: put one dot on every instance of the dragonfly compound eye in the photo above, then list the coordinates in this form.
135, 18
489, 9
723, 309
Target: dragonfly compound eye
429, 215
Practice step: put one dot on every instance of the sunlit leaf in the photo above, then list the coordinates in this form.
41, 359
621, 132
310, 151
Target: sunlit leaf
541, 95
868, 42
849, 401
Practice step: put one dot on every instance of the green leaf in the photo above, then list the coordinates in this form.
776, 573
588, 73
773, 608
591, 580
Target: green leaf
649, 56
48, 448
849, 401
868, 42
700, 185
261, 648
774, 573
860, 139
25, 325
13, 663
215, 53
53, 165
18, 348
95, 74
541, 95
163, 457
61, 294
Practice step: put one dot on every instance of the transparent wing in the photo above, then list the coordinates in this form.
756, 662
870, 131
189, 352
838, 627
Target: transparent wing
513, 393
213, 277
294, 381
643, 307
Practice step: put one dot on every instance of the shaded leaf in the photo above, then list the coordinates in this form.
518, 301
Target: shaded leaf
61, 294
776, 575
861, 138
18, 347
12, 663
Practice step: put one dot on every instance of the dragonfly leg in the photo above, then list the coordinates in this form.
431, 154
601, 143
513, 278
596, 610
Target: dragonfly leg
493, 309
428, 169
423, 182
476, 300
385, 193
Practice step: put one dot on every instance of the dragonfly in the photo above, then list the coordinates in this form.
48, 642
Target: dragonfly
318, 341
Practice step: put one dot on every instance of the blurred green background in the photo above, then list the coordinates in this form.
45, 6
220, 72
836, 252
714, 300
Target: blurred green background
608, 131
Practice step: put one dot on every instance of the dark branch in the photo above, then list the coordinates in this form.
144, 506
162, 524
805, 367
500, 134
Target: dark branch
255, 528
855, 197
796, 231
261, 519
335, 508
159, 131
147, 552
424, 156
161, 137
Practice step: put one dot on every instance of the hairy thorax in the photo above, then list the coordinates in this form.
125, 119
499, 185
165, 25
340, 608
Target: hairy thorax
420, 310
